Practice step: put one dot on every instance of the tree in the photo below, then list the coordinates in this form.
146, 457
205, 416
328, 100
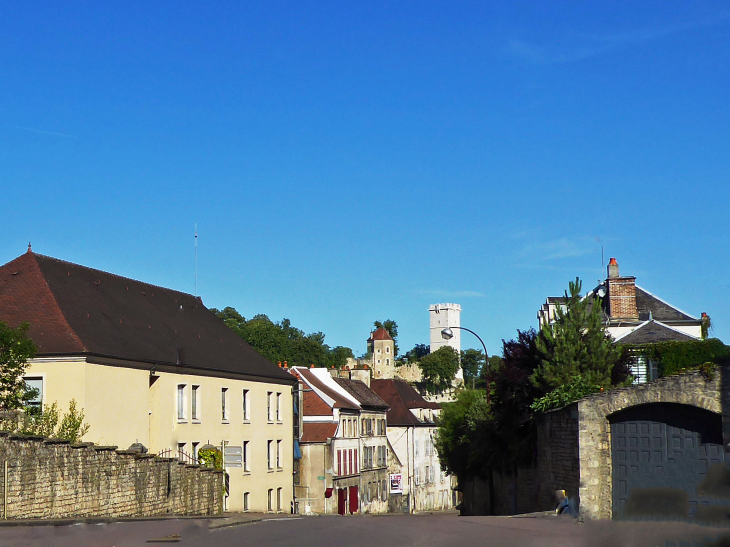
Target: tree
417, 353
472, 361
392, 328
576, 344
439, 369
16, 347
283, 342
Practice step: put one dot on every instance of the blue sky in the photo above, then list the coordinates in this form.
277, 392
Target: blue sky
351, 161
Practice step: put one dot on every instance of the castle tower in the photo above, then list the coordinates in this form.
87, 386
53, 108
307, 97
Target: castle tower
381, 348
446, 316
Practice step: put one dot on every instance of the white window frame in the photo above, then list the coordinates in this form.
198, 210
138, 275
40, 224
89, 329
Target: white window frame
246, 501
195, 403
278, 407
278, 454
279, 499
246, 405
245, 457
42, 391
224, 405
181, 403
195, 450
268, 454
270, 506
269, 416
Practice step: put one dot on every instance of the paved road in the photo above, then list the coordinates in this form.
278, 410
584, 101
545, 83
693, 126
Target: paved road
370, 531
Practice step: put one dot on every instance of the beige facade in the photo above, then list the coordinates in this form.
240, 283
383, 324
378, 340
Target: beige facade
128, 404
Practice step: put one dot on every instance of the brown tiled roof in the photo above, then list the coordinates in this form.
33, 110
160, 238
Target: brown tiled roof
317, 432
313, 405
74, 310
381, 334
401, 397
364, 395
340, 401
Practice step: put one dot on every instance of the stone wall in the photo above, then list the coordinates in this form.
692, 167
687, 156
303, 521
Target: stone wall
594, 437
52, 479
574, 448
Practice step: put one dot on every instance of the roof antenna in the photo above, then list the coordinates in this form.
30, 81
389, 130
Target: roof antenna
29, 249
196, 259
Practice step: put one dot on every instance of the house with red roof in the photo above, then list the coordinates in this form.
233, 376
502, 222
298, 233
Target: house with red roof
153, 366
419, 483
343, 468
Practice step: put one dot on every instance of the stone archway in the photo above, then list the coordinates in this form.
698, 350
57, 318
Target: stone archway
594, 429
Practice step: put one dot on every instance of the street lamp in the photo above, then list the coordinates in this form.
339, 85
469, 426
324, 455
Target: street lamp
448, 334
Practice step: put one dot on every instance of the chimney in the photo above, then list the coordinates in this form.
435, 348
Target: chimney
612, 268
621, 294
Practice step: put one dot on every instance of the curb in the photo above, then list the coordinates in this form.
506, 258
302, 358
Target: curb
101, 520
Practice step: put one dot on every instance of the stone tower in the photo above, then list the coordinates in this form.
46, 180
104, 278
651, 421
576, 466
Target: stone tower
381, 348
446, 316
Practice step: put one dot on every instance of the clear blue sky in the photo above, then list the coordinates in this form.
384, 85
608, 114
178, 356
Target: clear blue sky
353, 161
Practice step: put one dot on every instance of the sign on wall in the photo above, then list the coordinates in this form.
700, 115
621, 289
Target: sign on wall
396, 484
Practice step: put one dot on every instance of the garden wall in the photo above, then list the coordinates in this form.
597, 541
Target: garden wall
48, 478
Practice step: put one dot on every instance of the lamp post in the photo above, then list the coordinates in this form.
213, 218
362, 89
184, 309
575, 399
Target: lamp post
448, 334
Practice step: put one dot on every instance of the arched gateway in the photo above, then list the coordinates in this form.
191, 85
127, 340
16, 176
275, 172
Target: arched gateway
664, 433
663, 445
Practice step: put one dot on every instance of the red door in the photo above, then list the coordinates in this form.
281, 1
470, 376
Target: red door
353, 499
341, 501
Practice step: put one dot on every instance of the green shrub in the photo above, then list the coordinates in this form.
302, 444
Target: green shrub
576, 389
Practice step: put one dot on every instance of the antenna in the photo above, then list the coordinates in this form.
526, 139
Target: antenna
196, 259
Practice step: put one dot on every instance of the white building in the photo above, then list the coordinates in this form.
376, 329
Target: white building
411, 437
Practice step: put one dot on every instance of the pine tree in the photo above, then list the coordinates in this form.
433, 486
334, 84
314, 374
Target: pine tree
576, 344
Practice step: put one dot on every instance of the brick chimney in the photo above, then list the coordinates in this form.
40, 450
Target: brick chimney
621, 294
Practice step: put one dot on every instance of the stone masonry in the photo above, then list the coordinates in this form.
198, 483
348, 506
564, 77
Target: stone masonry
574, 447
49, 478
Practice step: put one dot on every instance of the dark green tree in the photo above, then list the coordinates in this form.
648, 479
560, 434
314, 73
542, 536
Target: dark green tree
417, 353
576, 344
392, 328
472, 361
439, 369
283, 342
16, 347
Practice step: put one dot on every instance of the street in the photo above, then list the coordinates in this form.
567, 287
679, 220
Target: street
421, 530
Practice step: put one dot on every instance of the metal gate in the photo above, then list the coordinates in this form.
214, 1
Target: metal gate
663, 445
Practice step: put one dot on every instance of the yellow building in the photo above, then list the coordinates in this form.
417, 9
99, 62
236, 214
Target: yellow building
154, 366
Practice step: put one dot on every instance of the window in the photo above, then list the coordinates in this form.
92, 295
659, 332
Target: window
278, 454
194, 415
349, 462
268, 406
224, 404
425, 475
387, 349
268, 453
415, 448
180, 450
270, 504
432, 477
246, 406
195, 451
181, 402
278, 407
278, 498
339, 462
37, 401
356, 461
246, 498
417, 476
244, 456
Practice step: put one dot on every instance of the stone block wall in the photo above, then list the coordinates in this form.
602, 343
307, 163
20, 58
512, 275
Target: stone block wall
52, 479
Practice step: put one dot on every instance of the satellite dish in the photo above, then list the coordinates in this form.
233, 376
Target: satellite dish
601, 291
